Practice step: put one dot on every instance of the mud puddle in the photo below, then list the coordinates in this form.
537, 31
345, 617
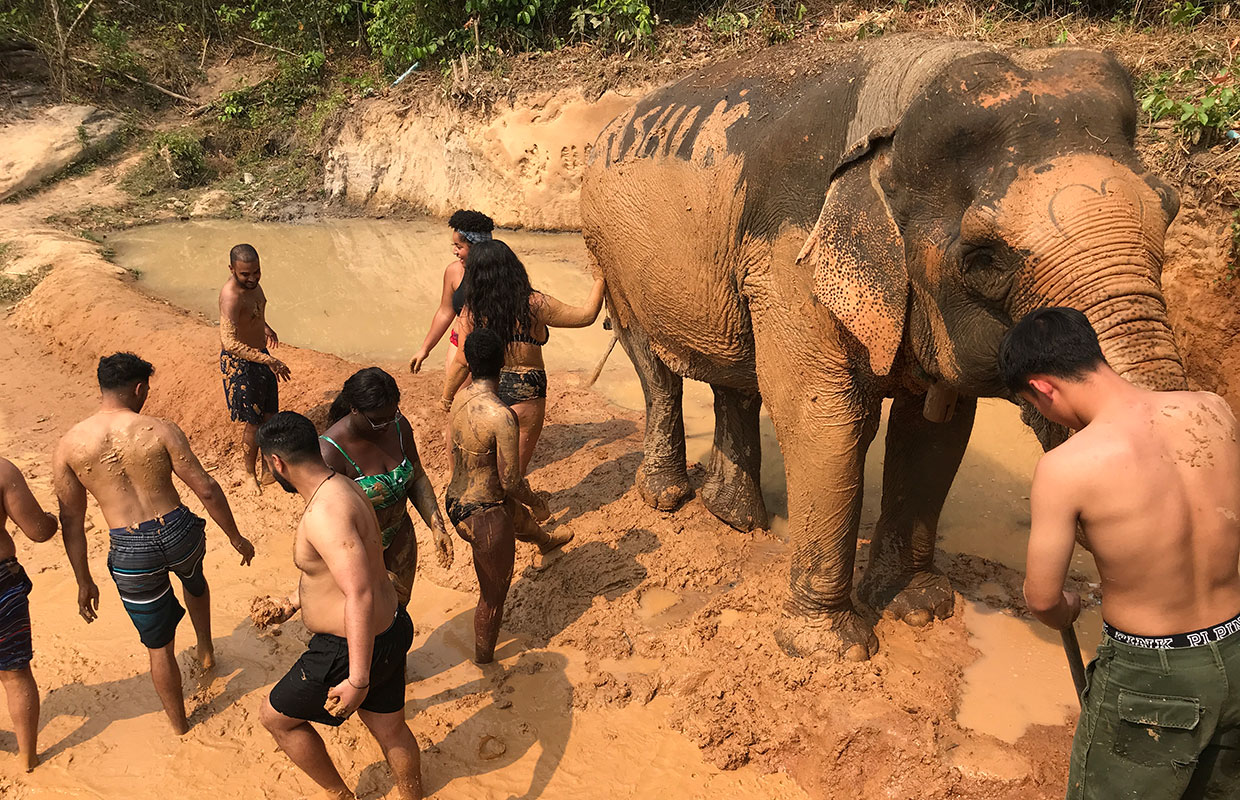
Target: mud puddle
366, 290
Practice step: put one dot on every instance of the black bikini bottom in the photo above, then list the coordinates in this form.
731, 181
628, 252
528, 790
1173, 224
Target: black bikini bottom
519, 386
459, 511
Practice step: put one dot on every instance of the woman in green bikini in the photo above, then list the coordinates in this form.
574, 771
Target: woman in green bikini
370, 441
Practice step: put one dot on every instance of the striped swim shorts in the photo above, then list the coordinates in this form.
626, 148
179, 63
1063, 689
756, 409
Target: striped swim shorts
16, 649
140, 560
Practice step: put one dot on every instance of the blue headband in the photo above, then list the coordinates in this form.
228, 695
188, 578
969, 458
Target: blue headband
474, 237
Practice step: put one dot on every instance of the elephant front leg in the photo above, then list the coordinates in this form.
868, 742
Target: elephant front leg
663, 477
824, 456
733, 490
921, 462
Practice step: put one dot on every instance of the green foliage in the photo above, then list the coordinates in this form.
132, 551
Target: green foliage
275, 100
173, 160
1184, 13
774, 23
620, 22
1200, 104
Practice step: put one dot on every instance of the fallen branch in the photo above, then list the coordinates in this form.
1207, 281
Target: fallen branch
264, 44
135, 79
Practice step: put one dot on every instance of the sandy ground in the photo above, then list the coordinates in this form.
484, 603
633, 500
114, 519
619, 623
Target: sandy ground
639, 659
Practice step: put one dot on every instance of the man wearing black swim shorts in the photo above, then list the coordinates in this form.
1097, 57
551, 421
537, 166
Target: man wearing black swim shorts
126, 460
16, 647
356, 658
251, 373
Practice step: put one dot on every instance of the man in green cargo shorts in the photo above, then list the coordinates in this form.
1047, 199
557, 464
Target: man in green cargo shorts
1153, 480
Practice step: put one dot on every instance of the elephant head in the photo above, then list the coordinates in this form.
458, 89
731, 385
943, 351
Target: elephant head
999, 188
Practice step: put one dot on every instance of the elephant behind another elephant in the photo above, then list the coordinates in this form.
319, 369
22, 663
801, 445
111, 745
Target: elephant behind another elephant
819, 234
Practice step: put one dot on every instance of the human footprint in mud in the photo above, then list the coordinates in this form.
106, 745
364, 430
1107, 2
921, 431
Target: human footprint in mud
1153, 480
371, 442
356, 659
126, 461
498, 296
478, 500
251, 373
16, 648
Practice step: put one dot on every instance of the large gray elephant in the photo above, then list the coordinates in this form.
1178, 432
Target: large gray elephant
817, 232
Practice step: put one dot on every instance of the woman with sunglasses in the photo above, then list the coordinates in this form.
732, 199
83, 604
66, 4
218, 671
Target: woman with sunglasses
370, 441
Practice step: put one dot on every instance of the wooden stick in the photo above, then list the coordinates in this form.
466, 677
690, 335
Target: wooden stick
264, 44
1072, 649
598, 370
154, 86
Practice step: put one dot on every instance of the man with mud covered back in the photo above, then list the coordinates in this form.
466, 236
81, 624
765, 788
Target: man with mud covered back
356, 659
1153, 481
16, 647
126, 461
251, 373
478, 501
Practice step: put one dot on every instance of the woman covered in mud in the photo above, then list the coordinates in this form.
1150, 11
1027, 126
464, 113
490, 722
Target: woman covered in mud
468, 228
370, 441
498, 296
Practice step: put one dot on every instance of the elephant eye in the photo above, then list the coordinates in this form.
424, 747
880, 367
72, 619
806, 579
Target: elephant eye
978, 259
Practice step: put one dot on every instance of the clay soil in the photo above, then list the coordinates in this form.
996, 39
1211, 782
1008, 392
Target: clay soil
637, 660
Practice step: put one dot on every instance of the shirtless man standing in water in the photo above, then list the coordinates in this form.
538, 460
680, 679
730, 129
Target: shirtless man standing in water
356, 659
478, 501
1153, 480
251, 373
16, 648
126, 461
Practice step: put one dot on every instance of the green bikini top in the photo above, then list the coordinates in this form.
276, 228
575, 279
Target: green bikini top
387, 488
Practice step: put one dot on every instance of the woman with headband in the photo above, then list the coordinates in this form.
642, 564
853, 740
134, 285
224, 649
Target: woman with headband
468, 228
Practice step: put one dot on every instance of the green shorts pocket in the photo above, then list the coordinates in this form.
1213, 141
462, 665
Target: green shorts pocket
1157, 730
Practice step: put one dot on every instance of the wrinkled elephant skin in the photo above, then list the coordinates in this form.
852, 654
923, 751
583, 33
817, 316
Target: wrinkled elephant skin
867, 227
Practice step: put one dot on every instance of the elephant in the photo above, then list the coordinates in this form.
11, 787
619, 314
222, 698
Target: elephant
818, 228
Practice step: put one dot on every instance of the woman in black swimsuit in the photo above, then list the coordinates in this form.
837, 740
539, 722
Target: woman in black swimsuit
498, 296
468, 228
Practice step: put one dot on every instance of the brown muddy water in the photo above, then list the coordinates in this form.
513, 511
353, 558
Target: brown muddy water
366, 290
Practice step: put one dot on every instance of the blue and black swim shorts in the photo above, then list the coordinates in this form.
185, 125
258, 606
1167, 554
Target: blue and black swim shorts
16, 648
140, 561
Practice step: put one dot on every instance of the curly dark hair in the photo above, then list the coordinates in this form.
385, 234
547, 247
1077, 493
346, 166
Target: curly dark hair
366, 390
497, 290
471, 221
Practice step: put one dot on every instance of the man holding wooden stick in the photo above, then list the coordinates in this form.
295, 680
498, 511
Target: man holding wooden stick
1153, 479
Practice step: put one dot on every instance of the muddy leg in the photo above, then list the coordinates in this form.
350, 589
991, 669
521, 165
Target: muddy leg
399, 748
490, 533
401, 559
23, 697
663, 477
166, 674
530, 417
249, 457
199, 608
527, 530
921, 462
732, 491
304, 747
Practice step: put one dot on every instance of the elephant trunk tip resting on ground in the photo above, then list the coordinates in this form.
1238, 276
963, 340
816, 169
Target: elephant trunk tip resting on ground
868, 228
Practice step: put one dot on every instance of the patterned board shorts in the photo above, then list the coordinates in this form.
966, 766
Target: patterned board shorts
250, 389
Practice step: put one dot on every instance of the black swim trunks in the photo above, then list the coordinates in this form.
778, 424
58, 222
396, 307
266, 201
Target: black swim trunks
459, 511
250, 389
16, 648
303, 691
141, 558
518, 386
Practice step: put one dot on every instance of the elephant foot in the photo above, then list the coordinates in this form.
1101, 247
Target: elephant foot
917, 600
735, 498
663, 489
834, 634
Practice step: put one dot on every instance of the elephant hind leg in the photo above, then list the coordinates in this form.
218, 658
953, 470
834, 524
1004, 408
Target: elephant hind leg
663, 477
733, 491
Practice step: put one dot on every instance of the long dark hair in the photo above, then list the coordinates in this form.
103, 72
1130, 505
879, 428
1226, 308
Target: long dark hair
497, 290
366, 390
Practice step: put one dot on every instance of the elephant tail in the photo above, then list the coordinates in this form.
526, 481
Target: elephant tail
598, 369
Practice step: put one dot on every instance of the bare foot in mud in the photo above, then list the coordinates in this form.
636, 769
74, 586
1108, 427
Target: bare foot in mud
206, 657
250, 485
29, 761
554, 542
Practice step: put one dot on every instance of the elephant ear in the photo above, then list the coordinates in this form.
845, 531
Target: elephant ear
857, 255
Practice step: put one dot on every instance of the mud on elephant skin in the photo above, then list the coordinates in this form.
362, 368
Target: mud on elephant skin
867, 224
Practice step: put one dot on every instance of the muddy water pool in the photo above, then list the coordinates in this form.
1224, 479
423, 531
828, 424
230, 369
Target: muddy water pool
366, 290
